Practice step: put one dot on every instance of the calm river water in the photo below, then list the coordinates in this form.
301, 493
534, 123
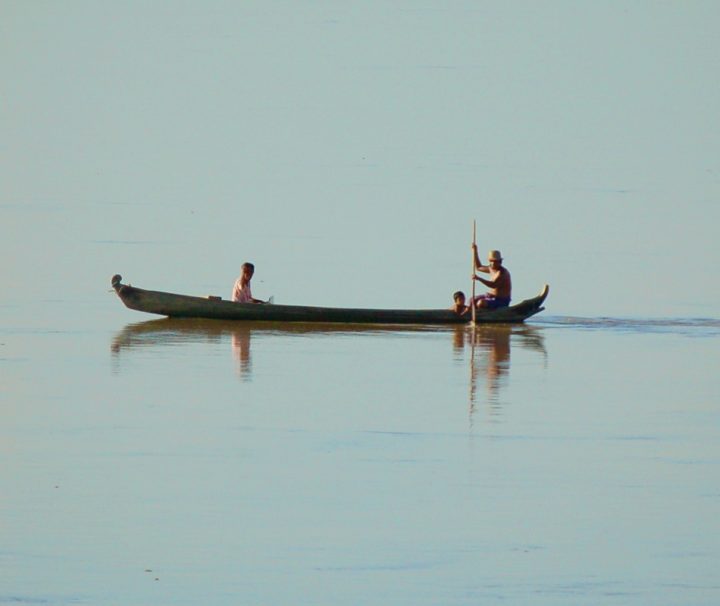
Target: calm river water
567, 461
351, 150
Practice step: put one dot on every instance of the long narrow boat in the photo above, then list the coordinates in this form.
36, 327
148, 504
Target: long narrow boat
215, 308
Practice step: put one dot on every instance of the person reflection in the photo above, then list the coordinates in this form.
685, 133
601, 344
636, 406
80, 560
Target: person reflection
489, 356
494, 343
241, 353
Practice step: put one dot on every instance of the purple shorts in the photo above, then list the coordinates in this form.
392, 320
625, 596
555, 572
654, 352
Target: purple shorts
493, 302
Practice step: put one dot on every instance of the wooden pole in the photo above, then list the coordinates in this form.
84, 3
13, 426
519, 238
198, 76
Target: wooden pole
471, 404
472, 289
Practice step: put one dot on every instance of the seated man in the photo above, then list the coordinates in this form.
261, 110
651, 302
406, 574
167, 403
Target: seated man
241, 291
500, 283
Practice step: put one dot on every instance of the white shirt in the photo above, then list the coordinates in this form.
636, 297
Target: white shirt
241, 294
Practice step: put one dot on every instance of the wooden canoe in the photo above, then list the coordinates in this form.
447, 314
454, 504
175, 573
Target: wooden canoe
215, 308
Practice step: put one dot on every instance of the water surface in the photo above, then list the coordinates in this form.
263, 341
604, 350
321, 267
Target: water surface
564, 461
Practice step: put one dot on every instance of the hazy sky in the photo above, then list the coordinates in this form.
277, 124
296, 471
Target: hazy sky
346, 147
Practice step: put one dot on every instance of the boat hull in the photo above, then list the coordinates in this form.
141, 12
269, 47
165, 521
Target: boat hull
185, 306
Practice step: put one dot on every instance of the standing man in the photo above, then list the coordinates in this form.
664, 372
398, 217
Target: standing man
241, 291
500, 283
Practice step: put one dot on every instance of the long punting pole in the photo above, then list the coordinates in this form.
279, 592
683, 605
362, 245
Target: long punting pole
472, 297
471, 397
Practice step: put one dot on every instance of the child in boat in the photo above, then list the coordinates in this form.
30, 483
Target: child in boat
241, 291
459, 307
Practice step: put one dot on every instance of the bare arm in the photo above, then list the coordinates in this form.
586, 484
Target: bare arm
488, 283
478, 265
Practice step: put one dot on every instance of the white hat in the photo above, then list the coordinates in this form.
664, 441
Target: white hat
494, 255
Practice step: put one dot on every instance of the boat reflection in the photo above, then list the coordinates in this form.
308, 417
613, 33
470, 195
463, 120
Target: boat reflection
489, 353
169, 331
487, 347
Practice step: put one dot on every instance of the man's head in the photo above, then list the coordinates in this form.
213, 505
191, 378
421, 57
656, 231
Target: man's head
459, 297
495, 257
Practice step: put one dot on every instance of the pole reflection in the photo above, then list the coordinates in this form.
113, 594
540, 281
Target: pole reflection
489, 354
